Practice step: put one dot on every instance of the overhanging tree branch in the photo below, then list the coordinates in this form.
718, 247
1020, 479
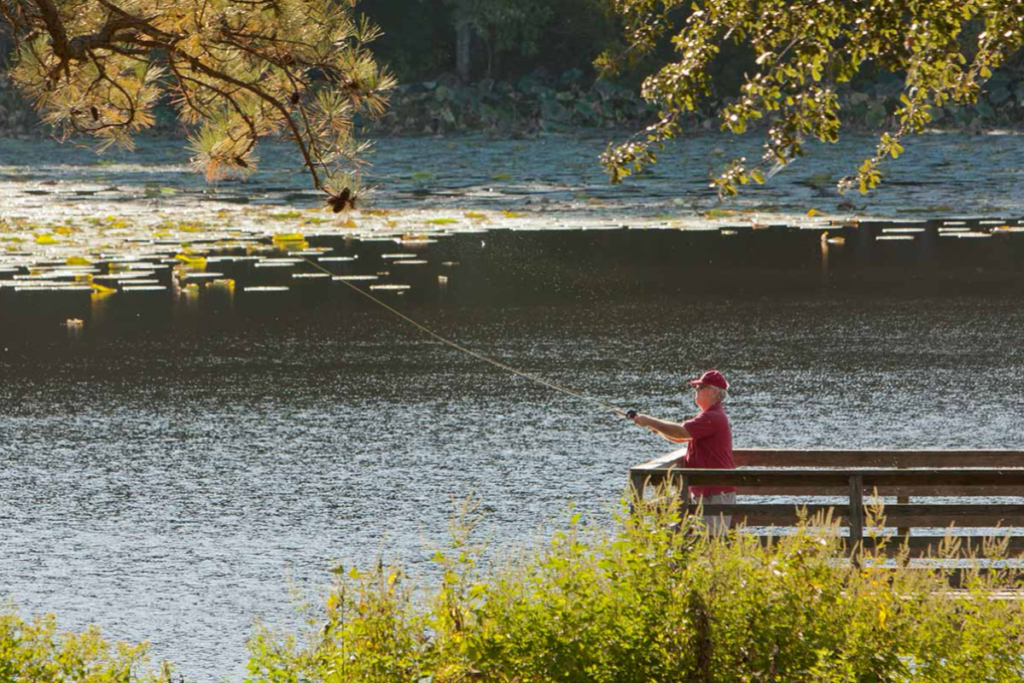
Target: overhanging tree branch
804, 51
299, 66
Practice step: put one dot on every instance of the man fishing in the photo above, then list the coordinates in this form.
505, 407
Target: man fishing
709, 437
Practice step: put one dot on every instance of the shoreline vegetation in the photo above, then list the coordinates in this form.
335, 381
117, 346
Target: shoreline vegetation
548, 102
650, 597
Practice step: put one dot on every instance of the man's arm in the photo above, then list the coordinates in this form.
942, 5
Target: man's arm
673, 431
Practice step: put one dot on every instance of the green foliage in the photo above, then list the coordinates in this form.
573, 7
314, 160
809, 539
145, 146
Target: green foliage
653, 599
803, 53
236, 72
658, 599
34, 651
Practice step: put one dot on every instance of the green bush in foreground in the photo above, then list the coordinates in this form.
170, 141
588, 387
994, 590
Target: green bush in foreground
653, 599
34, 652
646, 603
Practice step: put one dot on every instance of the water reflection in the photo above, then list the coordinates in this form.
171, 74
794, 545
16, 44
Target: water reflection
531, 267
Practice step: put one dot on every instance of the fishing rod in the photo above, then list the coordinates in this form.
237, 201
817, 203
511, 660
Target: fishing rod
630, 413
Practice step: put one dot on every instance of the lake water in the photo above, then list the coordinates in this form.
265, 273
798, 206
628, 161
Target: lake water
170, 467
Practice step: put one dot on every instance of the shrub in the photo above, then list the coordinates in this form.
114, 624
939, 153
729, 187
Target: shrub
658, 599
34, 652
655, 598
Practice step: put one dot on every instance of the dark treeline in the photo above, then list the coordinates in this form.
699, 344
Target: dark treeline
519, 66
505, 40
496, 39
529, 65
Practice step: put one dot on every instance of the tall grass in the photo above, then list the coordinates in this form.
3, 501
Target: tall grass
658, 599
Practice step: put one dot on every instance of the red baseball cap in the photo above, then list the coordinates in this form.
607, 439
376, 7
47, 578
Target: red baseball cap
713, 378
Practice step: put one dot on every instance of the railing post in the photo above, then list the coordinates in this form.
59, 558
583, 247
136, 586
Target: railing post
902, 531
856, 511
637, 479
684, 490
637, 482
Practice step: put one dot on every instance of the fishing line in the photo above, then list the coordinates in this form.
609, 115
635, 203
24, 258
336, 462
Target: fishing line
479, 356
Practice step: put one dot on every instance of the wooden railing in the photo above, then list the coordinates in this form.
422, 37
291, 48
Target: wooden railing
910, 476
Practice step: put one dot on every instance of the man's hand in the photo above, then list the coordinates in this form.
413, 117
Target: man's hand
673, 431
637, 418
643, 420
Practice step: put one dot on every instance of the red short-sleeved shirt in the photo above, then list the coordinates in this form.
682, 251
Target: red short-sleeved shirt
711, 447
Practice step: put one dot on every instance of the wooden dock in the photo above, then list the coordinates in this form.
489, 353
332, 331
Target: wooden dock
933, 490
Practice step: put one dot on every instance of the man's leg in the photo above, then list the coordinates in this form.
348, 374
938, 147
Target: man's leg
719, 524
